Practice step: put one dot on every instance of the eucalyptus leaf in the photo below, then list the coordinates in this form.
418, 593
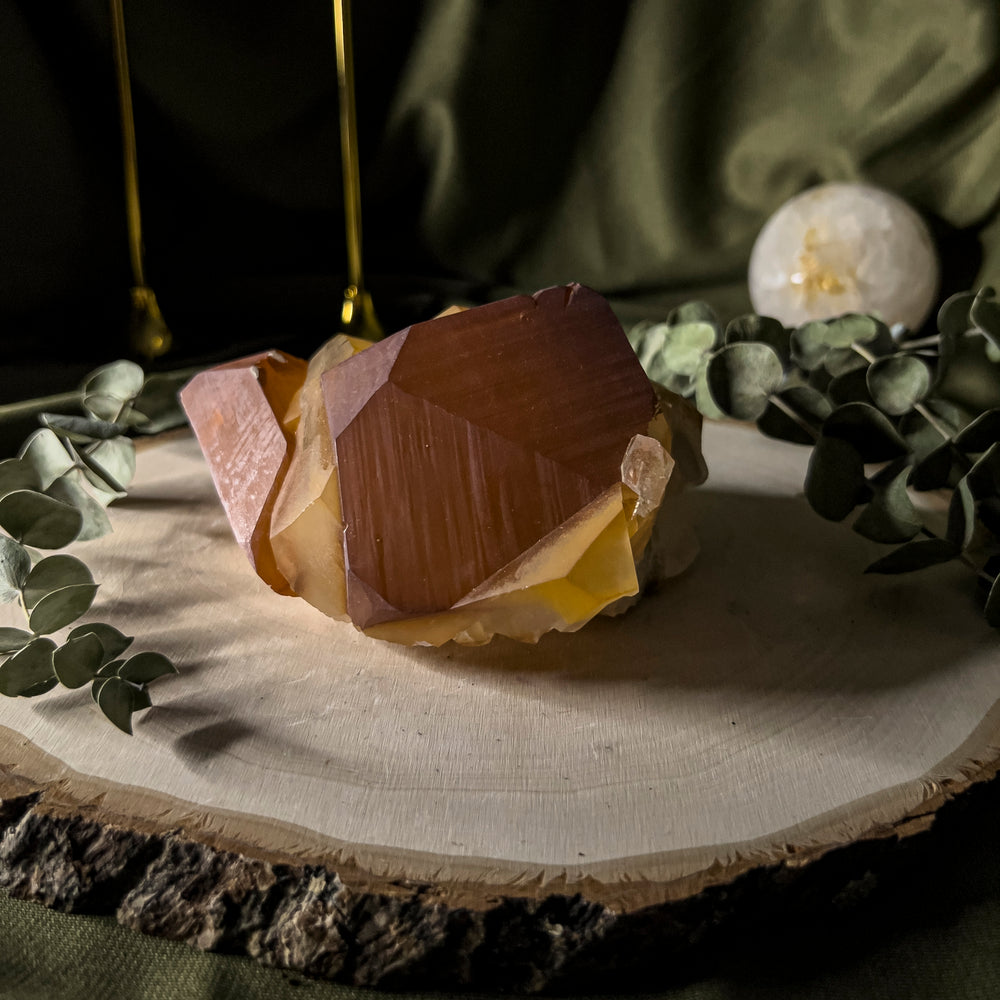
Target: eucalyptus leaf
122, 380
950, 415
113, 642
143, 668
953, 322
140, 699
898, 383
844, 331
103, 406
985, 315
984, 476
890, 516
741, 378
858, 328
961, 516
809, 345
15, 565
819, 379
953, 316
982, 432
933, 471
27, 668
114, 698
636, 333
832, 344
110, 464
42, 687
53, 573
702, 394
947, 350
679, 352
47, 455
835, 479
842, 360
989, 514
682, 385
647, 348
809, 406
13, 639
692, 312
110, 669
97, 475
94, 522
39, 520
99, 494
763, 330
16, 474
808, 402
99, 681
77, 661
79, 429
851, 387
915, 555
868, 429
60, 607
921, 435
993, 604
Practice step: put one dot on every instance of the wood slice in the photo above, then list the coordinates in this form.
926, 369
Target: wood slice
506, 816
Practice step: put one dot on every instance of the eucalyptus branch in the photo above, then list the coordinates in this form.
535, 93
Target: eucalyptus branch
921, 343
859, 398
933, 421
789, 411
52, 493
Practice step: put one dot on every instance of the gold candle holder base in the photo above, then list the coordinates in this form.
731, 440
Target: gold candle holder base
149, 335
357, 315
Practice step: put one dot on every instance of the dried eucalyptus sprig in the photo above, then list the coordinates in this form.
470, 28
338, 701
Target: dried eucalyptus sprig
869, 401
55, 492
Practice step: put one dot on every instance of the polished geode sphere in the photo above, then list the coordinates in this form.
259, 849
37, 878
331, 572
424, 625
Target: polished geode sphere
842, 248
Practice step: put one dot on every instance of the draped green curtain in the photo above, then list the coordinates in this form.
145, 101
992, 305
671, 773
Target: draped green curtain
639, 147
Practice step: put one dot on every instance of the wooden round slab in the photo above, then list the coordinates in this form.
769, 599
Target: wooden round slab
510, 815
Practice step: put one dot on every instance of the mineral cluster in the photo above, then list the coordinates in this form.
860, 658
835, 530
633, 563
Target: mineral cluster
493, 470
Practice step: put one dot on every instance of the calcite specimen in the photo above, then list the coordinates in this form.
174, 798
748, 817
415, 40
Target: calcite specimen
497, 470
305, 526
240, 415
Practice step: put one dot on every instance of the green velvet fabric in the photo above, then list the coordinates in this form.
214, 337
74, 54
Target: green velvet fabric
635, 146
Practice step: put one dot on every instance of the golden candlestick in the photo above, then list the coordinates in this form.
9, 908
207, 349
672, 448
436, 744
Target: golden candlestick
148, 333
357, 313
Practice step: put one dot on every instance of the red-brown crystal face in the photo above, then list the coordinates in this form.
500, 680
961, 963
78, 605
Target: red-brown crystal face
464, 441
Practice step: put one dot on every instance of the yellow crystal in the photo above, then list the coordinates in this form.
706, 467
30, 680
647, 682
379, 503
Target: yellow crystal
305, 527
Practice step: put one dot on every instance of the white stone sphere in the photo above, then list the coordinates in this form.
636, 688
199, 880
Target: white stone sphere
841, 248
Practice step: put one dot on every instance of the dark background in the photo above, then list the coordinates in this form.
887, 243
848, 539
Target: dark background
636, 147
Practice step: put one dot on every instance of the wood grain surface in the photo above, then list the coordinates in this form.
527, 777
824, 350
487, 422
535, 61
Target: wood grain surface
509, 815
